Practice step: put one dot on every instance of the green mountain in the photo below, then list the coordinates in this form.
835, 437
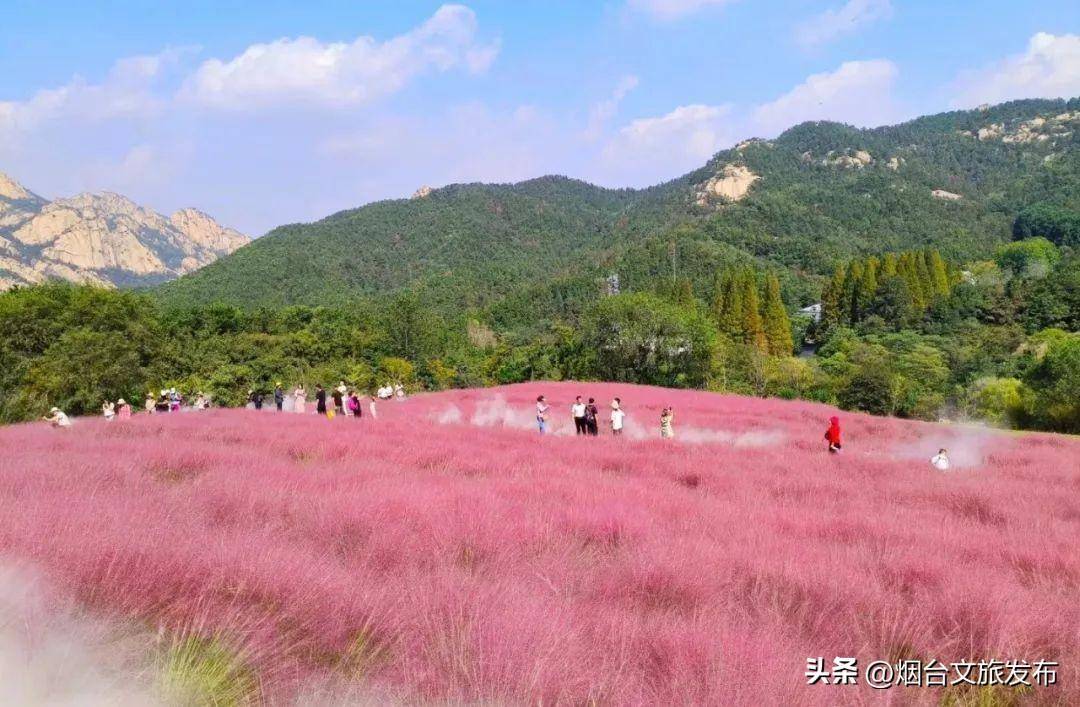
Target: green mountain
818, 194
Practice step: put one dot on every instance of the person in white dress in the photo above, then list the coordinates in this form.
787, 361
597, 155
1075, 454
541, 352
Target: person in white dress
940, 461
108, 409
299, 399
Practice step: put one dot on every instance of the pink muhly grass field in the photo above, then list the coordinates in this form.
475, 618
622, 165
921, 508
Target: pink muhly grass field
448, 552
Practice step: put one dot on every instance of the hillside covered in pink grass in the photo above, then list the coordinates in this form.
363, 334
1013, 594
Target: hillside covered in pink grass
447, 552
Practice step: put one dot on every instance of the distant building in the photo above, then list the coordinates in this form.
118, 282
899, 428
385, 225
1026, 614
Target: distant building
813, 311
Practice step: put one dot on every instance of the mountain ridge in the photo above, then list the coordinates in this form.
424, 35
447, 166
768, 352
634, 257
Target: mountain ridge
817, 194
102, 238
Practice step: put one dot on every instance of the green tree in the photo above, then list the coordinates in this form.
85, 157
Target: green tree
1055, 386
643, 339
1027, 259
831, 301
775, 320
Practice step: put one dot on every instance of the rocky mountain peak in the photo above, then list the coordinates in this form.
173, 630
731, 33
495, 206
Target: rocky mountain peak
103, 238
10, 189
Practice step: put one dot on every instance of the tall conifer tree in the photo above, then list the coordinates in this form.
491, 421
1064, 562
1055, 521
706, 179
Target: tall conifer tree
775, 320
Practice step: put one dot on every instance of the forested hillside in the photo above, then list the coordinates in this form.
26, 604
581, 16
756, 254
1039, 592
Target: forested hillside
820, 193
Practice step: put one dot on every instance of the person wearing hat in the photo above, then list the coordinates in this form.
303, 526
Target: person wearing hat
279, 396
57, 418
123, 410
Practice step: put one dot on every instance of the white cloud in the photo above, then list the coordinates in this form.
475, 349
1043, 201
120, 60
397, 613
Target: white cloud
606, 109
649, 149
835, 23
127, 91
858, 92
1050, 68
339, 73
675, 9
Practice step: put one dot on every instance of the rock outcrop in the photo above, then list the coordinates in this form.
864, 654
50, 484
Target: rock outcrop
102, 238
1040, 129
729, 184
946, 195
423, 192
846, 159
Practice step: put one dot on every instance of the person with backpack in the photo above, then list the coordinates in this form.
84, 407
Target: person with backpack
578, 411
591, 413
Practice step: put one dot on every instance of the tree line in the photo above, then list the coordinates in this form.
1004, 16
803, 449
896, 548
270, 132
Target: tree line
908, 334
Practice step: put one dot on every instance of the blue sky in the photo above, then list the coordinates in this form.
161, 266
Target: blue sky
275, 112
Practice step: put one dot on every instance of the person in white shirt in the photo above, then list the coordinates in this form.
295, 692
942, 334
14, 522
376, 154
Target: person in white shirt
541, 413
399, 391
108, 409
371, 406
941, 460
578, 411
57, 418
617, 416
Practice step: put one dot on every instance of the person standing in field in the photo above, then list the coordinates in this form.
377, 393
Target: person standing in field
57, 418
339, 401
832, 435
667, 418
123, 410
578, 411
355, 407
279, 396
299, 399
320, 399
940, 460
256, 398
591, 413
108, 410
371, 407
617, 416
150, 403
174, 400
541, 413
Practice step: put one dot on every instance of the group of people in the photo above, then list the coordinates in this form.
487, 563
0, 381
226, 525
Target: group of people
346, 401
586, 417
171, 400
390, 391
341, 400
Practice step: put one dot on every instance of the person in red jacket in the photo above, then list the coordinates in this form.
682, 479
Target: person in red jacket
832, 435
